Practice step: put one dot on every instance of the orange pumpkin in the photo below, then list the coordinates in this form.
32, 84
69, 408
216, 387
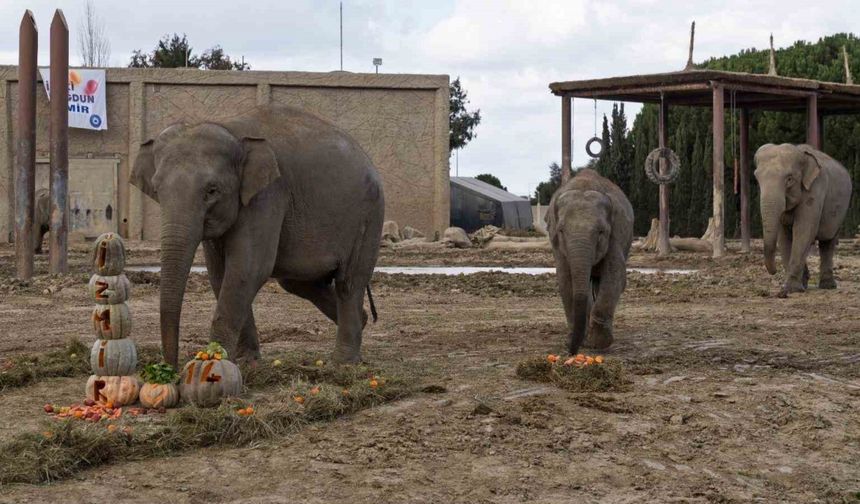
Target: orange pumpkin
112, 321
116, 390
109, 289
109, 255
159, 395
205, 382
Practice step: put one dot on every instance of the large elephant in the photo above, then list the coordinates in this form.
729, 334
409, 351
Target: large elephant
804, 197
590, 225
280, 194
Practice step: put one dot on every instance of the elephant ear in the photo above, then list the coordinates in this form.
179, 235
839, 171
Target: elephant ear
812, 168
144, 169
259, 167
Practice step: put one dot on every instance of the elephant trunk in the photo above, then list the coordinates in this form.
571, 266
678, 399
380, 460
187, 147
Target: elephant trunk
580, 260
772, 208
178, 244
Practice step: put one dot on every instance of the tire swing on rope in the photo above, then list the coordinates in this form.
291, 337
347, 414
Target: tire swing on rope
652, 165
595, 138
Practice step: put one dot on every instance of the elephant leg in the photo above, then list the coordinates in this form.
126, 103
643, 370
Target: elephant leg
590, 342
826, 250
350, 307
321, 294
248, 348
613, 279
802, 238
784, 239
565, 289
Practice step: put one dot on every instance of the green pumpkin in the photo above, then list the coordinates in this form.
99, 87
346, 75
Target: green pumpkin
116, 357
108, 255
205, 382
111, 322
109, 289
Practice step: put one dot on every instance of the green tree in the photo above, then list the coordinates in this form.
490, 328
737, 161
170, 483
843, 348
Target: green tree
492, 180
461, 122
174, 51
545, 190
601, 164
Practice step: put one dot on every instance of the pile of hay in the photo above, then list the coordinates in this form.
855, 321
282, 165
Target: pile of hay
64, 447
607, 377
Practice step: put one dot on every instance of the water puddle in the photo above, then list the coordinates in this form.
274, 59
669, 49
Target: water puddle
454, 270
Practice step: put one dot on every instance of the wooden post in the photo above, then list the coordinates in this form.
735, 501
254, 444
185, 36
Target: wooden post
745, 179
663, 246
565, 138
59, 237
25, 148
812, 126
719, 241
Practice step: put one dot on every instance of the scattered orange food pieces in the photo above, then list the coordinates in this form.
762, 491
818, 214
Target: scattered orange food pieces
599, 359
245, 411
344, 392
299, 399
552, 358
374, 383
111, 428
315, 390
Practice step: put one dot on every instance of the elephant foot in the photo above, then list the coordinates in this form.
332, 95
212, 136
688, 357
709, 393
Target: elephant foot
789, 288
827, 283
599, 336
345, 356
805, 278
247, 356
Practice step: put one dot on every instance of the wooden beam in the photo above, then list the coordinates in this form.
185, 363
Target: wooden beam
719, 240
566, 132
663, 246
59, 143
25, 158
745, 179
812, 122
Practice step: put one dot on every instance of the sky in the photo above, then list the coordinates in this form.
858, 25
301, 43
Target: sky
506, 52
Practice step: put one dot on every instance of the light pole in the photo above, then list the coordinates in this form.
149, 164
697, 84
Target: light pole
377, 62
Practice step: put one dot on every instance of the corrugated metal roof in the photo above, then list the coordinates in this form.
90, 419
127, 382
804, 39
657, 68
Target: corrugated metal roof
483, 188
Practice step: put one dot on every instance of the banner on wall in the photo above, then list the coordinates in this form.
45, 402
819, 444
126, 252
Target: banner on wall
87, 90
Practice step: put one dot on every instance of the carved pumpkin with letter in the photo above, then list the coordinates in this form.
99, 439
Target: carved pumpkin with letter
109, 289
119, 390
111, 321
116, 357
109, 255
205, 382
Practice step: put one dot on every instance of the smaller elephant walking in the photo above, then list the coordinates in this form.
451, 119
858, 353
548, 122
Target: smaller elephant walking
590, 226
804, 197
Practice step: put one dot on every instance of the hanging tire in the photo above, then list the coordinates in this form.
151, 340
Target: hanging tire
590, 143
652, 166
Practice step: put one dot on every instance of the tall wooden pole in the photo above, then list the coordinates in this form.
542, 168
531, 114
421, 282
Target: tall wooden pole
59, 144
663, 246
25, 146
745, 179
812, 118
719, 240
565, 138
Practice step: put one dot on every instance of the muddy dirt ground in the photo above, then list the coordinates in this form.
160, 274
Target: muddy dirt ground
737, 396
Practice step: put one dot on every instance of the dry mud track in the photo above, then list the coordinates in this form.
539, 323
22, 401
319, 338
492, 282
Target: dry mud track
737, 396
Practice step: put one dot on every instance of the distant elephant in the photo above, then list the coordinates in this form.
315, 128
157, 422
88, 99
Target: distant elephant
590, 226
279, 193
804, 197
41, 218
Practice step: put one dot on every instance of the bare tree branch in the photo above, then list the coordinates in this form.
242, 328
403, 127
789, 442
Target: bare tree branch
93, 45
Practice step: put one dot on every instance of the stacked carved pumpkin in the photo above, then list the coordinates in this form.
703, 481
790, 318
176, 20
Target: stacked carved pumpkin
114, 355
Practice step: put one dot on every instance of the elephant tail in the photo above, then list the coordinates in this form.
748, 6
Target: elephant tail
372, 305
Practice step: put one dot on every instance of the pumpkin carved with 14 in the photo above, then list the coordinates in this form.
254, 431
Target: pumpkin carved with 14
205, 382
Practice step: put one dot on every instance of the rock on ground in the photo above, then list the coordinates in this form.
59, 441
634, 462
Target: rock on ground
456, 237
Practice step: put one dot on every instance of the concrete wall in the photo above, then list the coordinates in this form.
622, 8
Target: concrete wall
400, 120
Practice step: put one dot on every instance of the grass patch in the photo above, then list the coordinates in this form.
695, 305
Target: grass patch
73, 360
607, 377
66, 447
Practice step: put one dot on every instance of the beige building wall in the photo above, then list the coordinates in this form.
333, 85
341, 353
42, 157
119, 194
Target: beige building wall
401, 121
